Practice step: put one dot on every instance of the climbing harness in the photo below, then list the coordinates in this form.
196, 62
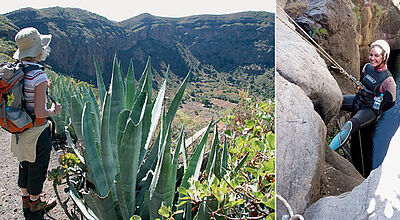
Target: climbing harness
314, 44
289, 208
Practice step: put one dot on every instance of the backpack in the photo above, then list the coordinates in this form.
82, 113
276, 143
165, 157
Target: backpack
14, 117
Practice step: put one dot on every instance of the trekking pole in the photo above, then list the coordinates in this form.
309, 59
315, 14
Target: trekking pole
51, 98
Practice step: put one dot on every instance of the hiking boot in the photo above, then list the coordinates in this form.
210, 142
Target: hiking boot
42, 204
25, 204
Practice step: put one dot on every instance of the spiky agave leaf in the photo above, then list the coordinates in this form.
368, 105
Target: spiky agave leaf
100, 81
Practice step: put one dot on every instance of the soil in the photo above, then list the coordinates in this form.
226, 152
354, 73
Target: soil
10, 202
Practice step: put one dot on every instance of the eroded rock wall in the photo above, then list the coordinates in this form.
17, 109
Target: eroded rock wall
307, 96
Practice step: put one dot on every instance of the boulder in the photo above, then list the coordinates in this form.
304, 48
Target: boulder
378, 197
300, 138
307, 70
339, 175
333, 24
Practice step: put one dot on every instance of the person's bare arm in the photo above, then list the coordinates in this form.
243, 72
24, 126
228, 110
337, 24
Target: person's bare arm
40, 102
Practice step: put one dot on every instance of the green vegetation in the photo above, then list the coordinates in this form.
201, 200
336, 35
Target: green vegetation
317, 31
378, 12
242, 184
122, 180
7, 49
356, 10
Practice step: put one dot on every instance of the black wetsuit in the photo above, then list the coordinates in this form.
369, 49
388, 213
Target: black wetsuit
363, 114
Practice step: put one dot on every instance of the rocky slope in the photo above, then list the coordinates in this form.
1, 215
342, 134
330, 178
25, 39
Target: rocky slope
206, 44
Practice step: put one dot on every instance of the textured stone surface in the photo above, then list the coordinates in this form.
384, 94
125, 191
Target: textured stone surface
299, 63
300, 137
306, 93
339, 175
378, 197
378, 20
333, 24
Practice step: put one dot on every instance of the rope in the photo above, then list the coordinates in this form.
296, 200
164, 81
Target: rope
361, 152
289, 208
314, 44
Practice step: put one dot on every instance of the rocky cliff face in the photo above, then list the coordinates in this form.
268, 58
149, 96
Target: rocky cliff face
225, 42
345, 29
377, 20
333, 25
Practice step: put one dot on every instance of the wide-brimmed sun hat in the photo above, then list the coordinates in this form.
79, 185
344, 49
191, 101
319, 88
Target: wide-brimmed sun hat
30, 43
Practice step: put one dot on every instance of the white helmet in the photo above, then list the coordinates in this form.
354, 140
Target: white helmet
385, 46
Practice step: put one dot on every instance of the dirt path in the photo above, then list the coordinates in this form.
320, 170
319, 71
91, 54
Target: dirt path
10, 199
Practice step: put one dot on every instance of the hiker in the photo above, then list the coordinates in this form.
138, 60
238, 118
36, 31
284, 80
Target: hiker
366, 106
32, 147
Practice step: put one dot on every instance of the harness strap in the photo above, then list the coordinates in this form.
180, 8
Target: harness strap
4, 113
25, 69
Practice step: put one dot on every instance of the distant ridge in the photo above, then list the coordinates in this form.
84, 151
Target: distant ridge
239, 43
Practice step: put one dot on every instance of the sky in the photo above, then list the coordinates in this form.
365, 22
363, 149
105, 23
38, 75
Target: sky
118, 10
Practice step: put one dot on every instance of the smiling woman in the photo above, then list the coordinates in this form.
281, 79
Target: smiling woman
377, 95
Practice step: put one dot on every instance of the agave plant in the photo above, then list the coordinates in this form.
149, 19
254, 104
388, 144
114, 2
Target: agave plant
130, 179
60, 91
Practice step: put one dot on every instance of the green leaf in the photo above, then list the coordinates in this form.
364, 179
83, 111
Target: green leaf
129, 153
162, 189
105, 206
270, 165
151, 118
130, 86
270, 203
146, 81
164, 211
135, 217
250, 124
271, 216
100, 81
241, 163
121, 125
117, 106
107, 155
224, 160
271, 142
177, 100
76, 117
195, 160
212, 156
151, 160
93, 159
235, 203
228, 133
121, 197
80, 203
